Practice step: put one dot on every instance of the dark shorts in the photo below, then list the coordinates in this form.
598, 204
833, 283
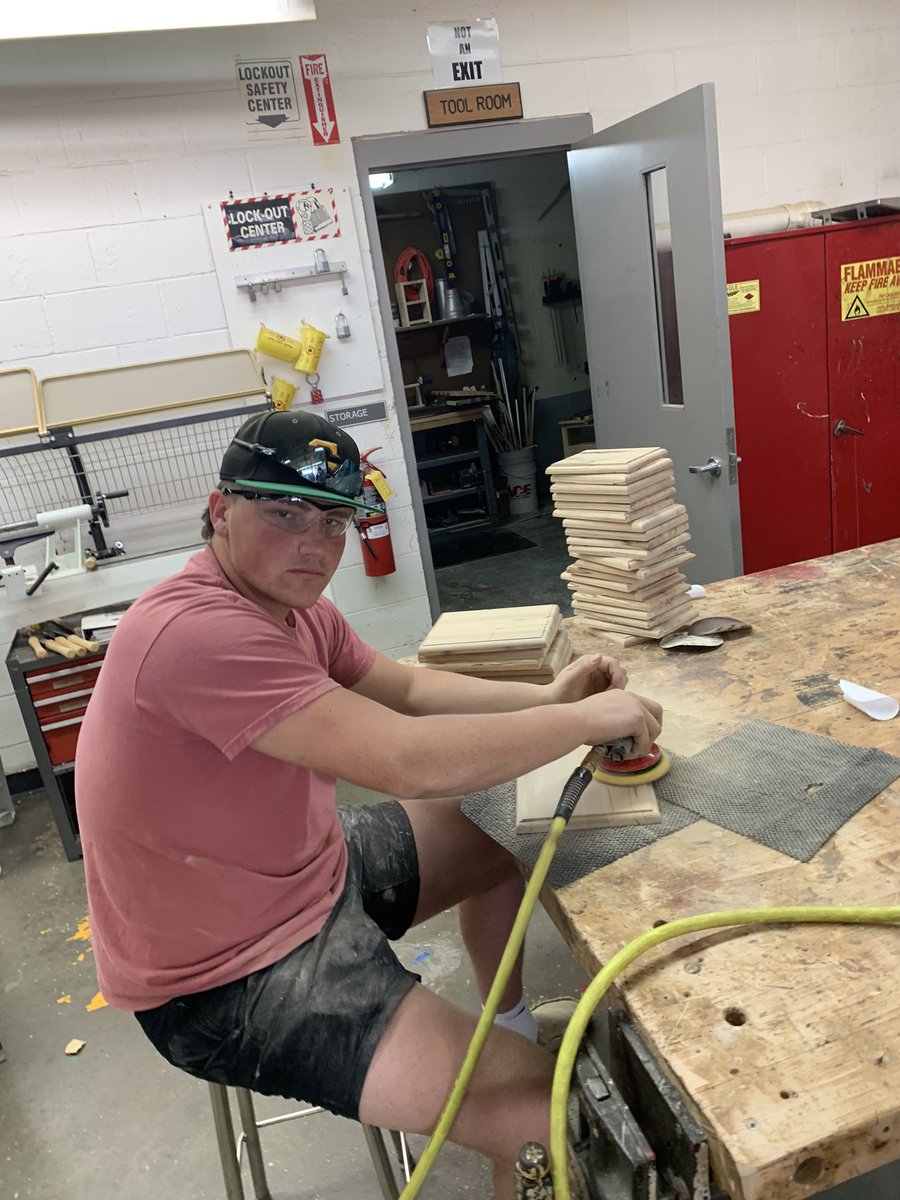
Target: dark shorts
306, 1027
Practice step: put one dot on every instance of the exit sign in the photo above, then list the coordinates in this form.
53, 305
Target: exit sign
468, 105
465, 53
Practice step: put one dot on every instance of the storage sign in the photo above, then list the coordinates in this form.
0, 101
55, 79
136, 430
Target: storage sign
870, 289
465, 53
265, 222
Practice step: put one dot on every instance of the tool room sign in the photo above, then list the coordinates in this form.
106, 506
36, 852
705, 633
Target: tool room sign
280, 220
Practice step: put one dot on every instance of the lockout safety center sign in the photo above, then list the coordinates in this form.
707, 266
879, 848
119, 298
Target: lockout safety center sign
278, 220
270, 99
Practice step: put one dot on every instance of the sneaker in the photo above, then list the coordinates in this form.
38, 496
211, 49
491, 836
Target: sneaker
553, 1017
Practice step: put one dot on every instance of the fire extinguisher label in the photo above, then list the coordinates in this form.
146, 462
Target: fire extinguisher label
378, 531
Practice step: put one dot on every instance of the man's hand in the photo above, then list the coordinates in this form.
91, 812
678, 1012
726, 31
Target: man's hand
586, 676
621, 714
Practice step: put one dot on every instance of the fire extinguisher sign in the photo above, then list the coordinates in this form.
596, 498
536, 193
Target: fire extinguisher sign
870, 289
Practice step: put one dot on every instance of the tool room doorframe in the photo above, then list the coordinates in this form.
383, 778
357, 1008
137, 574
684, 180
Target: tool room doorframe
430, 147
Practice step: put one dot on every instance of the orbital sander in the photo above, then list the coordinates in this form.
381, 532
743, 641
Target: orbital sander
611, 764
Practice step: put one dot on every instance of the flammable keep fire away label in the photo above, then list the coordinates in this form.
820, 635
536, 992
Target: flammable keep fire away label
870, 289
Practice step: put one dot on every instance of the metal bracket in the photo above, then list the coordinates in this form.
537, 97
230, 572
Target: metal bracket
274, 279
733, 457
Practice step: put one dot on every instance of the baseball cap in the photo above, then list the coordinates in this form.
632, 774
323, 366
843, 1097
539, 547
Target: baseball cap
295, 454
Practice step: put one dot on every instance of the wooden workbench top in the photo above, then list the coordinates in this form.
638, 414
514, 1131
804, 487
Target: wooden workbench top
800, 1088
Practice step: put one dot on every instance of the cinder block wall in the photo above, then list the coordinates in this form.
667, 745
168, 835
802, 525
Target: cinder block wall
110, 145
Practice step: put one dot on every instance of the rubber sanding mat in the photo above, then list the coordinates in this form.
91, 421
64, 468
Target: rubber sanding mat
789, 790
580, 851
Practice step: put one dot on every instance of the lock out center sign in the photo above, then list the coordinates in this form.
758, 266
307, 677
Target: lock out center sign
870, 289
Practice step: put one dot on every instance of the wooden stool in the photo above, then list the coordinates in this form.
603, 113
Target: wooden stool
231, 1151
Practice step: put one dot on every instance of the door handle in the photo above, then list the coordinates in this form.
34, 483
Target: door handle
712, 466
843, 427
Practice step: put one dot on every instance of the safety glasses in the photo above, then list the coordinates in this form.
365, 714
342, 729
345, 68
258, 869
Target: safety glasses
315, 465
291, 514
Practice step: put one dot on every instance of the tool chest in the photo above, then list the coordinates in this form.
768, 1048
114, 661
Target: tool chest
53, 695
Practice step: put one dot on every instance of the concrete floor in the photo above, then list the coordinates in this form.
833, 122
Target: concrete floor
116, 1120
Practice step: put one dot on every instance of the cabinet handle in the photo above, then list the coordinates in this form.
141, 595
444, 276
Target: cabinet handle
843, 427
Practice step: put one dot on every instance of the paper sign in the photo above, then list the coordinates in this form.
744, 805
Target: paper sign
870, 289
269, 95
743, 297
467, 53
458, 356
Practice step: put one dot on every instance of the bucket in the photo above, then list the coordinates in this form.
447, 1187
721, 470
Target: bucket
521, 477
311, 342
277, 345
282, 393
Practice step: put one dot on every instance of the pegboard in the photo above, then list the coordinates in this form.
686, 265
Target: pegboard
348, 367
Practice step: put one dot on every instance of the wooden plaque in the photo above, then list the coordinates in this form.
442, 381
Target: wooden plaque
468, 105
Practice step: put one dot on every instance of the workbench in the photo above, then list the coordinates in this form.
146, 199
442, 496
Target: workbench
785, 1041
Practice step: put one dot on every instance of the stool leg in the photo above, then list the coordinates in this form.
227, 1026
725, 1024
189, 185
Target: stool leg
254, 1149
404, 1157
381, 1162
218, 1094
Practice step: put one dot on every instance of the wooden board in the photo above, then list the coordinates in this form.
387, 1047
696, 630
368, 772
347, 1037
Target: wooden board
492, 629
601, 806
608, 461
596, 568
511, 663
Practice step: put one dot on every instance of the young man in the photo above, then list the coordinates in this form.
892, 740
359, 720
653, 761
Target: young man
235, 911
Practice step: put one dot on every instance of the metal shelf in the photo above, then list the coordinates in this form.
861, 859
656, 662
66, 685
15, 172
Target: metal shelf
432, 530
451, 495
445, 459
445, 321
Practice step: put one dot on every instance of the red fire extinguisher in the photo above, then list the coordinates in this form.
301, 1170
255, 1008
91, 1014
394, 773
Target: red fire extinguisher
375, 532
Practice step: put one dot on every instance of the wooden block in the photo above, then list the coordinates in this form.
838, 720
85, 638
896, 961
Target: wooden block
596, 568
608, 461
491, 630
640, 530
674, 620
644, 546
601, 806
632, 560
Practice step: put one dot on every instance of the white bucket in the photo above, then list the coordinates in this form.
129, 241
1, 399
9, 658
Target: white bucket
521, 477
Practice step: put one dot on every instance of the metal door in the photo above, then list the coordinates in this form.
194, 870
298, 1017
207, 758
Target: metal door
648, 222
862, 289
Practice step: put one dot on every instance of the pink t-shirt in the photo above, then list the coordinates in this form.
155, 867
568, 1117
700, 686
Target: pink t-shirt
204, 859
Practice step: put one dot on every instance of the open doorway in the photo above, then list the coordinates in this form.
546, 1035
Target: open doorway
481, 259
482, 364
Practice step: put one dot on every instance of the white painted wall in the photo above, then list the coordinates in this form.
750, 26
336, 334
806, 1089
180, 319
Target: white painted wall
109, 146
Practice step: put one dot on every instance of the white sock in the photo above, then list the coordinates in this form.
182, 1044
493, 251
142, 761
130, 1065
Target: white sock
520, 1020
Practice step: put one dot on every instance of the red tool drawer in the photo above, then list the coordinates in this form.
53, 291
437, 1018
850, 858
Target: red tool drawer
61, 738
53, 681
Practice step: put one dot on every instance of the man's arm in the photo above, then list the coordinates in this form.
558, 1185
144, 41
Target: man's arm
354, 738
420, 692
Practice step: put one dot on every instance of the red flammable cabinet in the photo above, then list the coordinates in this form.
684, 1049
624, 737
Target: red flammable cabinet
815, 354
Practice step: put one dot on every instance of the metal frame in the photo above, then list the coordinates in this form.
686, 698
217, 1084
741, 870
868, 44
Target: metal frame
231, 1150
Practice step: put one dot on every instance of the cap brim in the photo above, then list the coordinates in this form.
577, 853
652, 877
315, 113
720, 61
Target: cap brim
299, 489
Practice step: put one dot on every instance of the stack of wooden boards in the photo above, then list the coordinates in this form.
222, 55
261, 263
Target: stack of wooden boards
526, 644
627, 536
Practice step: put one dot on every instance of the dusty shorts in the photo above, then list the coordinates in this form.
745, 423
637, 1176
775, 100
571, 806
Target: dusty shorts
306, 1027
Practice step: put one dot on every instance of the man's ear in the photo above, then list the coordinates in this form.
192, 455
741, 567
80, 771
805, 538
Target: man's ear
219, 505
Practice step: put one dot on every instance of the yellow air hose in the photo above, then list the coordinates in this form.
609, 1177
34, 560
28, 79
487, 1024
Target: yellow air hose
566, 1058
